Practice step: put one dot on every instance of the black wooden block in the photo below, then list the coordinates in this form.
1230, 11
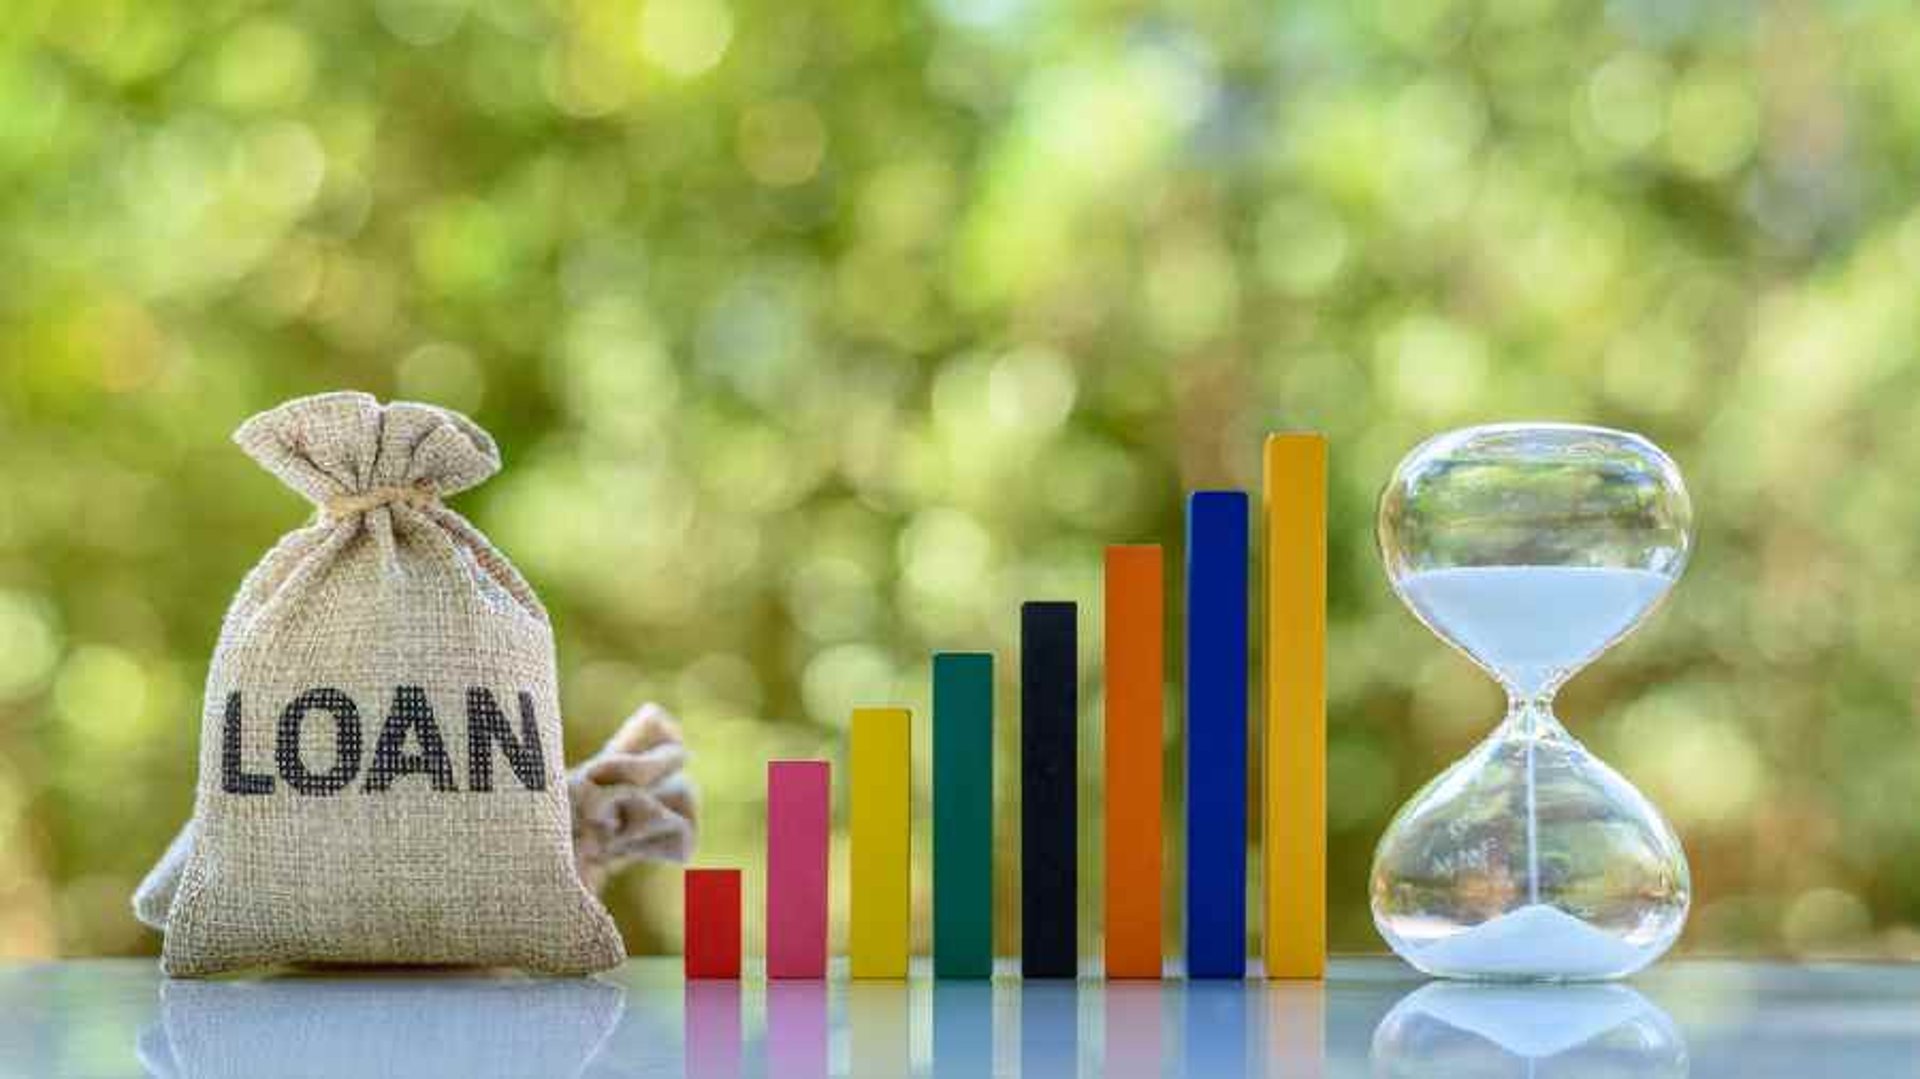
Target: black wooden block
1049, 787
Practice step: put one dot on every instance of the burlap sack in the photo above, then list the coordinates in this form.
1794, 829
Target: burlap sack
380, 761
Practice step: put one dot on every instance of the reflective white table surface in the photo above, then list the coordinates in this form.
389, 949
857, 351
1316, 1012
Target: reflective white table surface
1372, 1017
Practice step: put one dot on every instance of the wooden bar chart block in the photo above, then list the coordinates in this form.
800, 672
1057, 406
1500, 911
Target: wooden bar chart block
879, 772
1049, 790
1217, 734
712, 947
797, 829
963, 815
1136, 675
1295, 923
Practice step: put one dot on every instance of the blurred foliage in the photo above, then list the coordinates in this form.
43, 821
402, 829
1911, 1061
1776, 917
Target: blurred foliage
817, 335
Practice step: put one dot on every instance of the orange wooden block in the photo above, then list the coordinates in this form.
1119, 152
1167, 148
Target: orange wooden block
1136, 672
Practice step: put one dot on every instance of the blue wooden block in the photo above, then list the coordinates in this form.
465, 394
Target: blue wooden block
1216, 915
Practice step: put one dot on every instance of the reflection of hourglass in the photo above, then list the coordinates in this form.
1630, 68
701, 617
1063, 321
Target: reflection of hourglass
1536, 1031
1532, 548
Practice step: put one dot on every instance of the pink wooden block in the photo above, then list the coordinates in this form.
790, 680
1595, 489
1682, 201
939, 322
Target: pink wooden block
797, 822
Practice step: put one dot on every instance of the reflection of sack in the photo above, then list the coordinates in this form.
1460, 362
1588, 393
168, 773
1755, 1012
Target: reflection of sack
383, 1024
380, 753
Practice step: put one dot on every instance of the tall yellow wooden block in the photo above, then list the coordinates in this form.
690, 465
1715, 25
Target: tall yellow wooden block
1295, 504
881, 767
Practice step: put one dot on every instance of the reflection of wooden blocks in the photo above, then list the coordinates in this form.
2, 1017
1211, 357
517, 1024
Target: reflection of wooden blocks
797, 822
963, 815
796, 1040
1049, 790
713, 923
1217, 734
712, 1029
879, 773
1296, 680
1135, 671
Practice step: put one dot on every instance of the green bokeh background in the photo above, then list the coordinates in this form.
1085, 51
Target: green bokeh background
817, 335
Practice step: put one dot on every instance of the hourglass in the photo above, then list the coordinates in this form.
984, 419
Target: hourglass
1532, 548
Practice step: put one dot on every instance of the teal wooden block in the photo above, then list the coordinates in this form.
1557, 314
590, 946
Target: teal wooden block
963, 815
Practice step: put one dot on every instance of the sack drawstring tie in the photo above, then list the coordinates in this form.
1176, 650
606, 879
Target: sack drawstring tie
342, 507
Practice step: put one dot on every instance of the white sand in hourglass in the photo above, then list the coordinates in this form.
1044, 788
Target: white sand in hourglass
1534, 941
1532, 624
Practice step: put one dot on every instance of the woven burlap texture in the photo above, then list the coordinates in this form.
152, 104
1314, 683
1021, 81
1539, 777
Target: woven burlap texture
376, 594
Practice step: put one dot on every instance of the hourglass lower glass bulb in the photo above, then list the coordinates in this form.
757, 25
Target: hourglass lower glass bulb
1532, 548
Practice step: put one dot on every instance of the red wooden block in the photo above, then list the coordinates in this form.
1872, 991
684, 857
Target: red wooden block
713, 923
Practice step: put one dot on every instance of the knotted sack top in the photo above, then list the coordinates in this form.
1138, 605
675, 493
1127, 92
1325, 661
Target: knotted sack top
349, 454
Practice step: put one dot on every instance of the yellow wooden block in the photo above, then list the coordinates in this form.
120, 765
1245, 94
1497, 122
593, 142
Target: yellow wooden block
881, 768
1295, 504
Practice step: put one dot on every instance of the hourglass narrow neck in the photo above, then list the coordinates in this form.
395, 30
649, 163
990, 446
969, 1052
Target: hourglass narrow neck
1534, 682
1531, 717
